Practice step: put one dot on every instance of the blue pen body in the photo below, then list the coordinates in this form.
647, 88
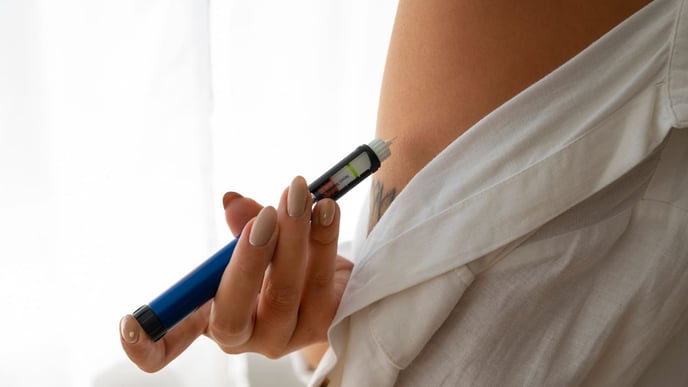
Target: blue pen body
185, 296
194, 290
200, 285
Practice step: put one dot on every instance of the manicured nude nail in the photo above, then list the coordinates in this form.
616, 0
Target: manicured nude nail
263, 227
327, 209
228, 197
129, 329
297, 196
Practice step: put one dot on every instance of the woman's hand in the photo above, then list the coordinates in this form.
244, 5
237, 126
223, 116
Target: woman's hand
279, 292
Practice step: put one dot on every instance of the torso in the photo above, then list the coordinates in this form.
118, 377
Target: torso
451, 62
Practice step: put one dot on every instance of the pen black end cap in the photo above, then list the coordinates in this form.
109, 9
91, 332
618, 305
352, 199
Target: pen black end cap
150, 322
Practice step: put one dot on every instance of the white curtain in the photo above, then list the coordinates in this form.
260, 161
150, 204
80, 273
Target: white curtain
122, 123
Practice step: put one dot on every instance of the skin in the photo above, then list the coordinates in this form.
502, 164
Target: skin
450, 62
273, 298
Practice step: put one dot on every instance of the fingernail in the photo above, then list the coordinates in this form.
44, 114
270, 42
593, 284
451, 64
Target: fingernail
228, 197
327, 209
129, 329
263, 227
297, 196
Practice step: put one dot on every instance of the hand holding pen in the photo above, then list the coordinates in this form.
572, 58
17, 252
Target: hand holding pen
279, 292
279, 283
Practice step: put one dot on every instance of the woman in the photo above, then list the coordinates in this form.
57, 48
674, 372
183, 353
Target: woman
532, 212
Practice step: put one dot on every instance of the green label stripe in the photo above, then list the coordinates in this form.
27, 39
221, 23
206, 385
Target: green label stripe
352, 169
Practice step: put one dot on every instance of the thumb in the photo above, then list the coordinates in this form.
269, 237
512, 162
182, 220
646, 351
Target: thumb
239, 210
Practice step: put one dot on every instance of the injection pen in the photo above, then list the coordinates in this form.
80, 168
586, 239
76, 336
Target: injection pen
201, 284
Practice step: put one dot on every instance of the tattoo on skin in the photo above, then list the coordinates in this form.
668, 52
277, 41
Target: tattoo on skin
380, 200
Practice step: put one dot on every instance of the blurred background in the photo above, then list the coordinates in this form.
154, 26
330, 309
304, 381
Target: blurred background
122, 123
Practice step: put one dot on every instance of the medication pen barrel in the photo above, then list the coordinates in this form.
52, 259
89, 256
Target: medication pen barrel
200, 285
187, 295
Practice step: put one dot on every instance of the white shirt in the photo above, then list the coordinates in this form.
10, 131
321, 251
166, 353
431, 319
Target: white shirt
548, 245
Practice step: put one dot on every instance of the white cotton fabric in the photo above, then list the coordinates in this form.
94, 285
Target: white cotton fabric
545, 246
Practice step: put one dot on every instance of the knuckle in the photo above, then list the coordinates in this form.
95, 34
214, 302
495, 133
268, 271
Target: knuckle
282, 298
323, 238
274, 353
229, 350
230, 335
320, 280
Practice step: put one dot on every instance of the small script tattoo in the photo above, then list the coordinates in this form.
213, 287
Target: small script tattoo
380, 200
